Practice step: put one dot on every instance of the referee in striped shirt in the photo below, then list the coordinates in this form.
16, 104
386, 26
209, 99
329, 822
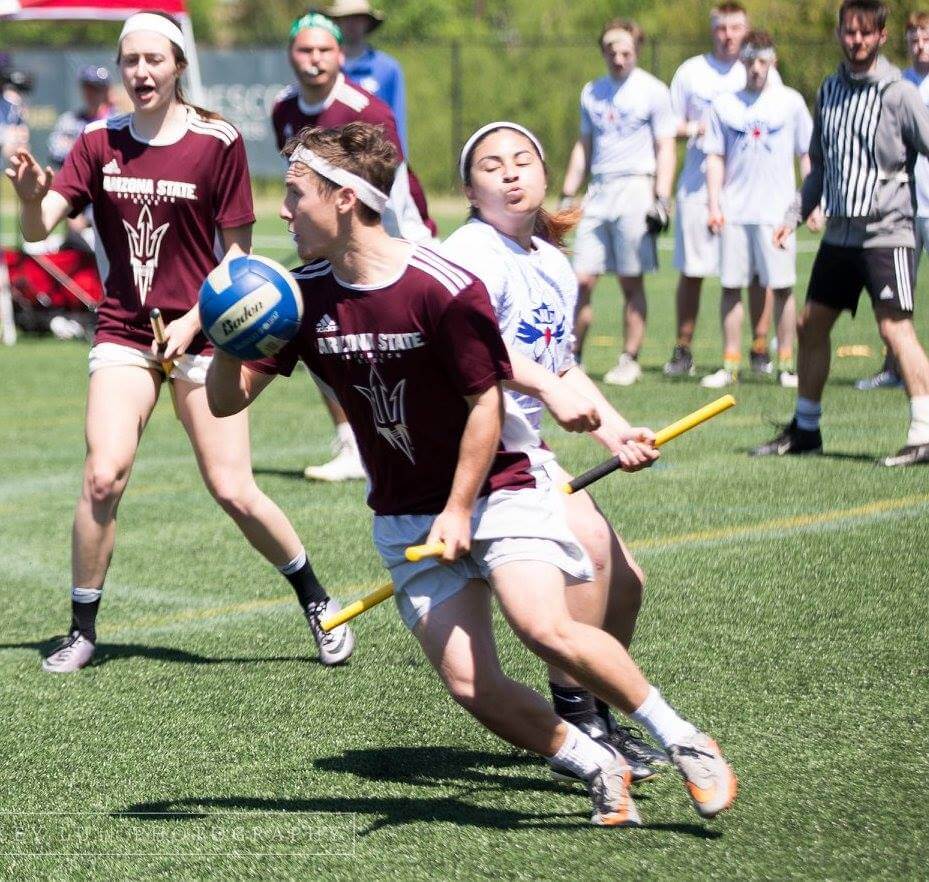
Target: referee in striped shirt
869, 125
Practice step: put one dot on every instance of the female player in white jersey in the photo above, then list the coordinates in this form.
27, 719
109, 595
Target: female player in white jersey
512, 244
163, 180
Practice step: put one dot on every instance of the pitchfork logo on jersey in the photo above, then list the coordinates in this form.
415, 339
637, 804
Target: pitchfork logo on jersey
389, 413
540, 332
144, 245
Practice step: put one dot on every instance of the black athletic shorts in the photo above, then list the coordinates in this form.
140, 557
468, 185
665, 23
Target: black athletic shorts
840, 273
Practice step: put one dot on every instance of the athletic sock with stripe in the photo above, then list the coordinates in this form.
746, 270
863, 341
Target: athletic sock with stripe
85, 603
306, 586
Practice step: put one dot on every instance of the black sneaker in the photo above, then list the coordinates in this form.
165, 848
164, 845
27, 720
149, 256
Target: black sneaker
910, 454
633, 747
792, 440
761, 363
681, 363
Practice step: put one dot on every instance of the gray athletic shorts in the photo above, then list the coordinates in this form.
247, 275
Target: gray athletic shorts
747, 250
612, 236
507, 526
696, 249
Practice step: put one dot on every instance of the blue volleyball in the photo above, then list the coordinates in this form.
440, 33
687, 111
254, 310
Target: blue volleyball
250, 307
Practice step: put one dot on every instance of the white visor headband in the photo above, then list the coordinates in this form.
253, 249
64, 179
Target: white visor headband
148, 21
366, 192
750, 53
492, 127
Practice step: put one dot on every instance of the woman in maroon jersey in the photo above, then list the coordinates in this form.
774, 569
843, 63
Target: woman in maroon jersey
164, 182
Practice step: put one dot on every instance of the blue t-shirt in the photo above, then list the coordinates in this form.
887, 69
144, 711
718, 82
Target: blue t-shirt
381, 75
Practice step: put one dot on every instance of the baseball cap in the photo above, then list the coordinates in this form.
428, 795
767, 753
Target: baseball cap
94, 75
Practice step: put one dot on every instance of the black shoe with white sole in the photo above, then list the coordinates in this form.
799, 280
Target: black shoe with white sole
793, 441
911, 454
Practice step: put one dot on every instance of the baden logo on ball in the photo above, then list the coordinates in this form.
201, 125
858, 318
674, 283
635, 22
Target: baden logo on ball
250, 306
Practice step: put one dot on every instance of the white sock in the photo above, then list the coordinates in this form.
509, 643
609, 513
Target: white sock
86, 595
298, 563
661, 720
343, 431
919, 420
808, 414
581, 754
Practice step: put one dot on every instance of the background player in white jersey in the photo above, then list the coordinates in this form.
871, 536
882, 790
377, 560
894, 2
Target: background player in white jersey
752, 139
627, 145
917, 44
514, 246
696, 249
445, 465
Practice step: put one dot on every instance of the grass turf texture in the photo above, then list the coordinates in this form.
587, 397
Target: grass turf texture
785, 612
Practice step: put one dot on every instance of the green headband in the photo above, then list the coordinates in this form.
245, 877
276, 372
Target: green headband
316, 20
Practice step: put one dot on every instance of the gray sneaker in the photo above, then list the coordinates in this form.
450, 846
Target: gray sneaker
338, 644
74, 653
609, 792
709, 778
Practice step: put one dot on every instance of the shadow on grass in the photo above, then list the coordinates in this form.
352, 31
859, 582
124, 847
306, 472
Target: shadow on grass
279, 473
108, 652
868, 458
468, 772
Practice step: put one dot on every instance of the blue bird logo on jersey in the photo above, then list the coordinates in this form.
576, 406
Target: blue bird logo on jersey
538, 333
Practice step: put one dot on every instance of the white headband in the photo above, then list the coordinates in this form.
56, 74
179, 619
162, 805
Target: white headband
490, 127
750, 53
148, 21
364, 190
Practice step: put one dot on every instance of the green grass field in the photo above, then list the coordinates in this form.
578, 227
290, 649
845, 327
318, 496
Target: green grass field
786, 611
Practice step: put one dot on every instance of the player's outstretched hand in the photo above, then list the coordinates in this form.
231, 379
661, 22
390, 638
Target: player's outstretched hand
453, 527
29, 180
571, 411
637, 449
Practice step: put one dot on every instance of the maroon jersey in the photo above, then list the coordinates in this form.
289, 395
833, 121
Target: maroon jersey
157, 208
347, 102
400, 359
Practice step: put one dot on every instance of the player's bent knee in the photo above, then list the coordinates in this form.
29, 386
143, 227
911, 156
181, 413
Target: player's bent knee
234, 497
105, 483
549, 640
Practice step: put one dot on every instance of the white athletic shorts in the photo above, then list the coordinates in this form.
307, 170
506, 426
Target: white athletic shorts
191, 368
696, 249
921, 225
748, 250
508, 525
612, 236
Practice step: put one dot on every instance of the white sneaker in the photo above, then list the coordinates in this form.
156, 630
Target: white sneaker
626, 372
788, 379
718, 380
345, 466
337, 645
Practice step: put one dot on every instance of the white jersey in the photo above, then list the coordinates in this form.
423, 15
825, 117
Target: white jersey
758, 134
533, 294
623, 119
695, 84
921, 172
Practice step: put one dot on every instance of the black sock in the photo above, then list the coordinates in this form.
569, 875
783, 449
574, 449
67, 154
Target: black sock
573, 704
84, 617
604, 714
306, 585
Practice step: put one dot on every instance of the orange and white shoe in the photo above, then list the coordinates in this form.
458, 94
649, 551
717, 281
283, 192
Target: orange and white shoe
709, 778
609, 792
